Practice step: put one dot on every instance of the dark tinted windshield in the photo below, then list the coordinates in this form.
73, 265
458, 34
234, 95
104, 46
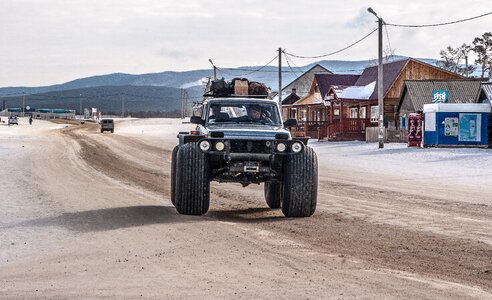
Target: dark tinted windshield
254, 112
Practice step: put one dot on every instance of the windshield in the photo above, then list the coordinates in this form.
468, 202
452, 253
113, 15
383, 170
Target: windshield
254, 112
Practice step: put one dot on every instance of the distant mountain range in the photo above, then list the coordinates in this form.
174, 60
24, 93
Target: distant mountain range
158, 91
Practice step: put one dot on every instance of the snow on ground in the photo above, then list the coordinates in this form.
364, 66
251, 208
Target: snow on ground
463, 165
470, 168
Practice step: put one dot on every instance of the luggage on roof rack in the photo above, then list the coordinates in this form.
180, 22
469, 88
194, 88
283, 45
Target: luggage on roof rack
237, 87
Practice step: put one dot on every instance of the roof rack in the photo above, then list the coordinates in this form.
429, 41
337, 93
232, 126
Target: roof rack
237, 87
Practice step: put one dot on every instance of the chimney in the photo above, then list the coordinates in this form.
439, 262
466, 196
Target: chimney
294, 90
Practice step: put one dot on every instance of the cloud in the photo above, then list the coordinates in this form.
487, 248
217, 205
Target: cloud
176, 54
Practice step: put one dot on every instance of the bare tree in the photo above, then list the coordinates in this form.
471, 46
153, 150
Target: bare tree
482, 46
451, 58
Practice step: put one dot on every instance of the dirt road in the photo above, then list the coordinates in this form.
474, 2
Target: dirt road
88, 215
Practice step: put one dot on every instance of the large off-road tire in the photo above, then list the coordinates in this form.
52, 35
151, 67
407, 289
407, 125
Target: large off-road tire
172, 177
273, 194
192, 192
300, 184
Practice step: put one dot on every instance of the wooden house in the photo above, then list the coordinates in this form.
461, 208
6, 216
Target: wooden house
351, 108
416, 93
301, 85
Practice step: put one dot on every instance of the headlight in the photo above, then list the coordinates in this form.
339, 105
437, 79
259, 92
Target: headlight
296, 147
205, 145
219, 146
281, 147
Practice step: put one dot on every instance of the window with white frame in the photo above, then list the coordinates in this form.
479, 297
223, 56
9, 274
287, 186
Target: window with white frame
374, 113
363, 113
353, 112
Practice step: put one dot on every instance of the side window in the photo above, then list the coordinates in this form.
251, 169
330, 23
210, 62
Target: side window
198, 110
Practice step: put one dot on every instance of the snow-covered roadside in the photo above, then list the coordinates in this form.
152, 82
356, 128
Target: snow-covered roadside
461, 169
463, 166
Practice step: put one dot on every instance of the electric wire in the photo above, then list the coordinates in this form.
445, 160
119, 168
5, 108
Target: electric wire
288, 63
387, 37
338, 51
251, 72
438, 24
292, 62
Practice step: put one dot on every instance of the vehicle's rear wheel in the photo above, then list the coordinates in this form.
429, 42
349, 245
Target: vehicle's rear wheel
300, 184
172, 177
112, 130
192, 195
273, 194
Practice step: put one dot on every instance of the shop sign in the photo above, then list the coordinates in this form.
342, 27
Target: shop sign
440, 96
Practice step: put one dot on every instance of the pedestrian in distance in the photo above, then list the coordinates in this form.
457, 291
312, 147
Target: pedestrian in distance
30, 120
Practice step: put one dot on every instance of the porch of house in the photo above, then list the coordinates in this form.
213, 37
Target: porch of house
350, 129
332, 123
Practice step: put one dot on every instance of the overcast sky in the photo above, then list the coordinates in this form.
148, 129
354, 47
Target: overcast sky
46, 42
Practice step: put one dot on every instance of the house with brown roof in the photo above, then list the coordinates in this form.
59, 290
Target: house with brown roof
313, 111
353, 107
300, 86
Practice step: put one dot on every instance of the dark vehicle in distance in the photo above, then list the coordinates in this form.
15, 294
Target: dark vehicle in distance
13, 120
107, 125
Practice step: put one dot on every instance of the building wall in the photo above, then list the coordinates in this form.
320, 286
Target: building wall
416, 71
406, 105
303, 83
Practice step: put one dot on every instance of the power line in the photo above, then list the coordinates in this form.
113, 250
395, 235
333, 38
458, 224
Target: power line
251, 72
288, 63
292, 61
439, 24
338, 51
388, 38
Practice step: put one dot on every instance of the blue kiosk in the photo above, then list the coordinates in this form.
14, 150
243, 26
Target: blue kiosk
456, 124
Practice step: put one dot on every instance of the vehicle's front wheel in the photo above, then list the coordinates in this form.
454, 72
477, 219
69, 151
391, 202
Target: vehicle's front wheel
300, 184
273, 194
192, 191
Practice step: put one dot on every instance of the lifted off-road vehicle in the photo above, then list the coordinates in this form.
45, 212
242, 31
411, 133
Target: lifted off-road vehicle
243, 140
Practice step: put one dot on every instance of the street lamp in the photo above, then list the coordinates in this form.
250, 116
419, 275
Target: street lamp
380, 79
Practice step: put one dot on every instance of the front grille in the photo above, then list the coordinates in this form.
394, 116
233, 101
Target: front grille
249, 147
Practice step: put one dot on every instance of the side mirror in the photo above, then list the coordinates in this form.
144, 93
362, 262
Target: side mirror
196, 120
290, 122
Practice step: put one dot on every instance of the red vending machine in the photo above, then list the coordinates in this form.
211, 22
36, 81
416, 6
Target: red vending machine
414, 130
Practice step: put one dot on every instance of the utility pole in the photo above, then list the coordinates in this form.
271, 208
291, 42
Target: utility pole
23, 102
186, 104
215, 68
380, 79
182, 103
280, 79
80, 110
122, 105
